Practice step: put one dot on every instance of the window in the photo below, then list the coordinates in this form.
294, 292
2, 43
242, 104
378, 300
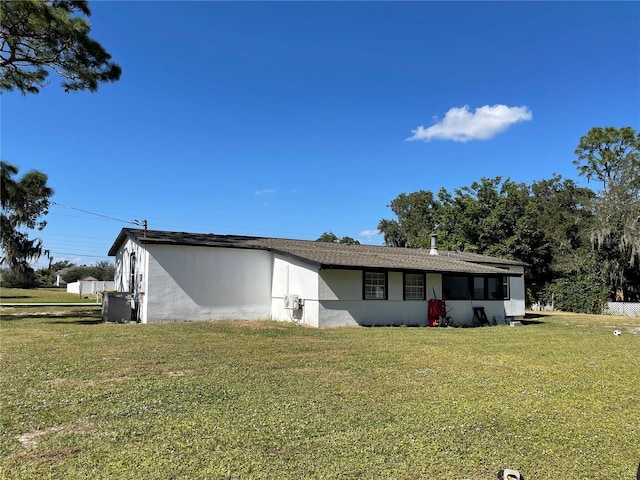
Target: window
375, 286
459, 287
132, 272
478, 288
495, 288
506, 291
498, 288
455, 287
414, 286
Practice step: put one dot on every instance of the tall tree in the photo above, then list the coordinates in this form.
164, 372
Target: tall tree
417, 215
328, 237
38, 36
24, 201
612, 156
562, 210
331, 237
606, 154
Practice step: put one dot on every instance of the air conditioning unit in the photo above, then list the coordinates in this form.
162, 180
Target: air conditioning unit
291, 302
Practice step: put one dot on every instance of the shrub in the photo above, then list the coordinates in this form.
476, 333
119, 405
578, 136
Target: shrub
25, 279
579, 293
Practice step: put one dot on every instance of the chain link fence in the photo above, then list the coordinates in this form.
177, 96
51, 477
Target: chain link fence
626, 309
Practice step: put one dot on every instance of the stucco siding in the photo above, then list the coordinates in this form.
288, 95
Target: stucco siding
123, 264
336, 284
205, 283
123, 278
372, 312
461, 311
515, 306
341, 302
291, 277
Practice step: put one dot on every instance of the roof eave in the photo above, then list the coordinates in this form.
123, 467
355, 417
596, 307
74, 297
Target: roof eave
120, 239
462, 271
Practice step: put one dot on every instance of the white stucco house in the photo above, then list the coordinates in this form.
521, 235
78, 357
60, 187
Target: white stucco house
179, 276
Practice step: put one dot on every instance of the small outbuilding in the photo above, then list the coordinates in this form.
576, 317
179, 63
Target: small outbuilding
180, 276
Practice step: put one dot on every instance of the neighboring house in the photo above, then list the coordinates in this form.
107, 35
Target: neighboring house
60, 281
178, 276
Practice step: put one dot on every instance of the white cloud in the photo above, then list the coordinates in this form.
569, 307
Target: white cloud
266, 191
461, 125
369, 234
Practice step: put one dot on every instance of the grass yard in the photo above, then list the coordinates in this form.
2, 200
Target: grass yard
264, 400
43, 295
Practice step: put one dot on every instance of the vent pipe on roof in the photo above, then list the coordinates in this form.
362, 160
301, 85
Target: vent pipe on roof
434, 247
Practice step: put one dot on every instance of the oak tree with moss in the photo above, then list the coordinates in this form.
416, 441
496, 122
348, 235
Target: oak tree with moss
612, 156
24, 202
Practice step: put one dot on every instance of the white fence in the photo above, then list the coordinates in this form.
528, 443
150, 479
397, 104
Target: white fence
627, 309
87, 287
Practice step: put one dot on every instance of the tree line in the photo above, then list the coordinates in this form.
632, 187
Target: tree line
47, 276
583, 246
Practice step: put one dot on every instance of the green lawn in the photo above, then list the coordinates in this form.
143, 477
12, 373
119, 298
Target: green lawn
43, 295
264, 400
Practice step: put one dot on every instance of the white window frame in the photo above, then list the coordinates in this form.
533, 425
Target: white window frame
414, 290
374, 285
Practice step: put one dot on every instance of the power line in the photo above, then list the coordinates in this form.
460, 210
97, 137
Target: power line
93, 213
139, 223
79, 254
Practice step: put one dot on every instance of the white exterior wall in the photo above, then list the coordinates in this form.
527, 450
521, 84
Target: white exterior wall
341, 303
461, 311
516, 305
207, 283
292, 277
123, 273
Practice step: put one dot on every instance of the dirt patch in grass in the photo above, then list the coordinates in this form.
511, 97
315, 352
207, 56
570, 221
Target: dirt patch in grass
31, 439
72, 383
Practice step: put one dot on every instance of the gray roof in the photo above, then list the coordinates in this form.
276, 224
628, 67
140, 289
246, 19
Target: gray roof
327, 254
484, 259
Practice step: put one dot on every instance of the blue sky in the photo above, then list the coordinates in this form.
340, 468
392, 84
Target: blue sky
290, 119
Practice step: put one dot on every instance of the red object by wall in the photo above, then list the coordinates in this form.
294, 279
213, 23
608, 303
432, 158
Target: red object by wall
436, 310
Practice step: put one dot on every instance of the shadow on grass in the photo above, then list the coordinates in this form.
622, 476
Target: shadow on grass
532, 322
93, 321
80, 317
532, 319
